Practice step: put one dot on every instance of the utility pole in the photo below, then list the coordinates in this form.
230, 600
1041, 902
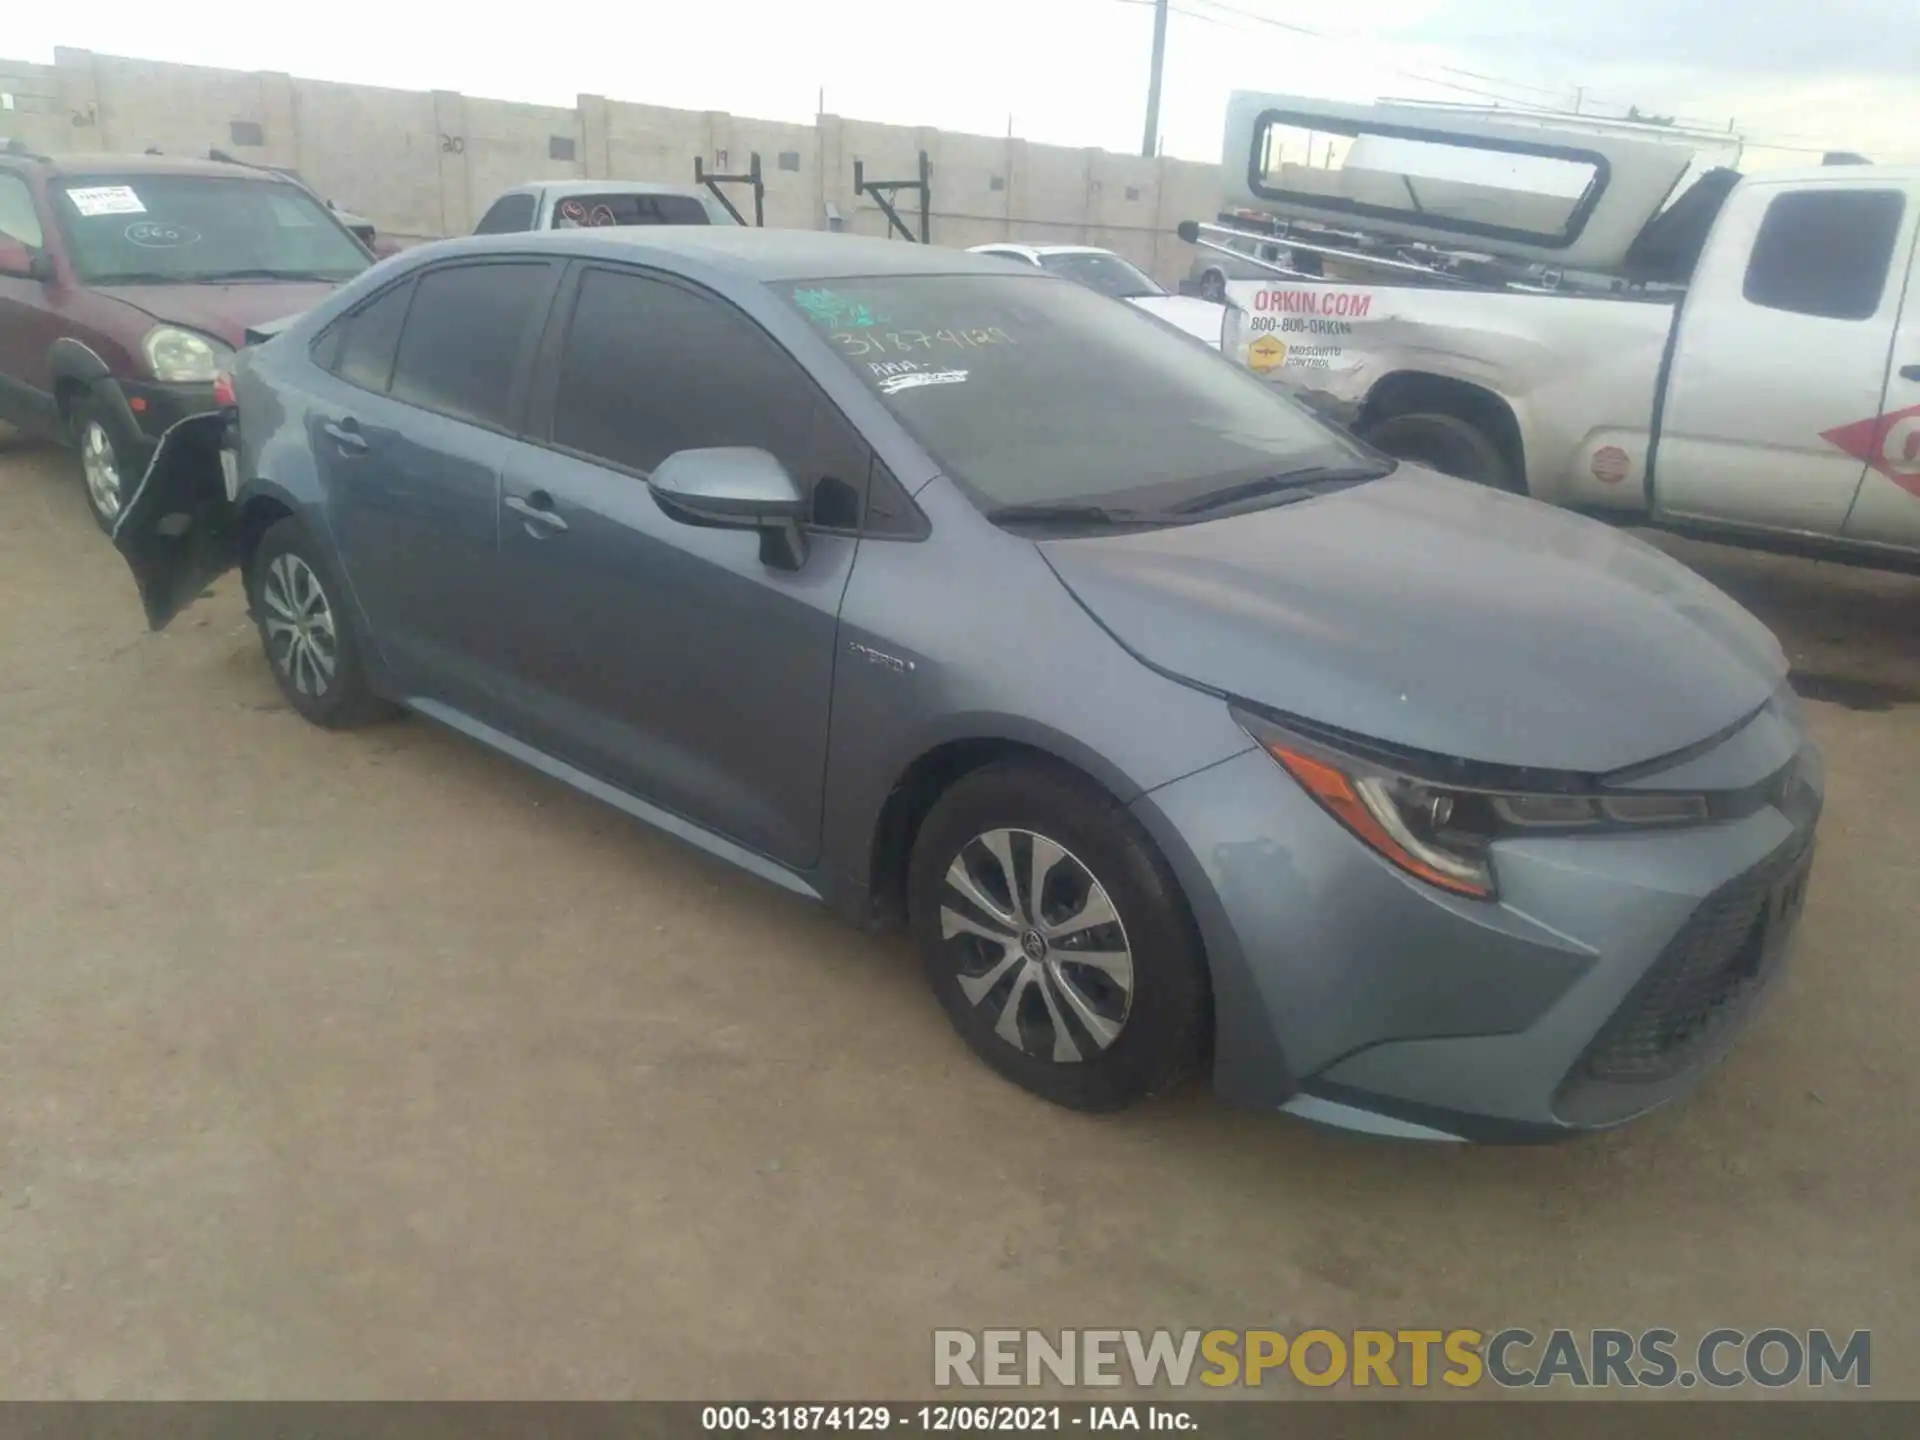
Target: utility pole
1151, 143
1579, 94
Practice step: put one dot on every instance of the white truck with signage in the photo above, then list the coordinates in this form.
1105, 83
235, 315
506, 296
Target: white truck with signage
1555, 311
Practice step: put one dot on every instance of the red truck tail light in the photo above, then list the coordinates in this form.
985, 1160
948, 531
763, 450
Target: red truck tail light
223, 391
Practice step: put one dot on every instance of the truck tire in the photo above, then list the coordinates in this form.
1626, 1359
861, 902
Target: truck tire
1445, 443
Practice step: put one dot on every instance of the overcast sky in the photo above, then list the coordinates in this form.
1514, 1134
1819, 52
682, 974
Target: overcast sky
1831, 74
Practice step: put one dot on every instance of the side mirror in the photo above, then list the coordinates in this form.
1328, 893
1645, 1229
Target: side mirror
736, 488
19, 258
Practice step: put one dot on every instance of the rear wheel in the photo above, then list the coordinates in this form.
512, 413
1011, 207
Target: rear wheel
105, 465
1056, 939
1447, 443
299, 609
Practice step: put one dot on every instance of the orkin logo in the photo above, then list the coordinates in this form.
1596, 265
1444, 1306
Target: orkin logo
1888, 443
1267, 353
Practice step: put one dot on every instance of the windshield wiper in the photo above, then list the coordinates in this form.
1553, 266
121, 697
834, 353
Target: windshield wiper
1043, 512
1307, 481
136, 277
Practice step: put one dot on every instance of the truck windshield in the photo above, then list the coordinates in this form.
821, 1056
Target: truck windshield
190, 229
1032, 392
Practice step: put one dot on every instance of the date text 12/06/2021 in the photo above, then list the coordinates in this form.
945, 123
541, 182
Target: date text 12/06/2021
947, 1419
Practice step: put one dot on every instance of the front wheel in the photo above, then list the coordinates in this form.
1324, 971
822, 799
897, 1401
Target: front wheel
1055, 938
1446, 443
105, 466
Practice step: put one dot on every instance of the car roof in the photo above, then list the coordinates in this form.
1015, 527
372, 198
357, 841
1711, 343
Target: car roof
613, 187
742, 252
74, 167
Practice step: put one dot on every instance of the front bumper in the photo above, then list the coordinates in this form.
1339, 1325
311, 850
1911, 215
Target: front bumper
1612, 972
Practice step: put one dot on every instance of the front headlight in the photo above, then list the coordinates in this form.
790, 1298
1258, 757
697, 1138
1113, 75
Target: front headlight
181, 357
1442, 831
1233, 332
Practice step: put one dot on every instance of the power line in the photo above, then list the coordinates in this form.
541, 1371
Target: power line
1321, 35
1792, 143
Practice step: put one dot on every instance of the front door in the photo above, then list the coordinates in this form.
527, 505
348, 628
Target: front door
1783, 338
27, 324
662, 657
1887, 510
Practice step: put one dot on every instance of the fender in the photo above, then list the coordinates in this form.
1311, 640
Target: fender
71, 359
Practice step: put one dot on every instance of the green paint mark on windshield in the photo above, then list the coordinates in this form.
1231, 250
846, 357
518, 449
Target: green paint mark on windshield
836, 311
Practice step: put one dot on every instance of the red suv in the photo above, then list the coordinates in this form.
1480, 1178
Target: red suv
127, 281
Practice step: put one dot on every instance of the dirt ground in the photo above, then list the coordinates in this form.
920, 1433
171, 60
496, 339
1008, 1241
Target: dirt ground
372, 1065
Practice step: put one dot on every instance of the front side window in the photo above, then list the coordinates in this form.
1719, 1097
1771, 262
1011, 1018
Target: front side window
650, 368
1825, 252
508, 215
18, 218
593, 211
464, 335
1029, 391
201, 229
1108, 274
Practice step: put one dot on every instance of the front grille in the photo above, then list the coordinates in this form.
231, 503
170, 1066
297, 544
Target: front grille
1702, 980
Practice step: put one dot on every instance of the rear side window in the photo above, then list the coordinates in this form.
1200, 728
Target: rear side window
649, 368
464, 334
508, 215
1825, 252
360, 348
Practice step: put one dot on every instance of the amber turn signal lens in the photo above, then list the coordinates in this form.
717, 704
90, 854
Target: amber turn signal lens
1336, 792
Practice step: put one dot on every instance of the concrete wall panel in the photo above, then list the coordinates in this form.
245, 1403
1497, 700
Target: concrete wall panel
422, 164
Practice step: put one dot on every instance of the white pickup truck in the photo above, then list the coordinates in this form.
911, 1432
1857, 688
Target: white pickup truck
1743, 360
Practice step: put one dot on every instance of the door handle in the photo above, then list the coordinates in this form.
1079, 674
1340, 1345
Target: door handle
346, 434
1910, 372
537, 510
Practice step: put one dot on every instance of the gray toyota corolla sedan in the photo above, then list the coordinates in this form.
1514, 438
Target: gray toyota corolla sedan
1179, 727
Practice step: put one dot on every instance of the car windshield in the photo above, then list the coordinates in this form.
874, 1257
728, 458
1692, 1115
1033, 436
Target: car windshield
1108, 274
1030, 392
588, 211
187, 229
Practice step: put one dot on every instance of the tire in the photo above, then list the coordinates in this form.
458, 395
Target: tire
1088, 1037
1446, 443
305, 628
108, 473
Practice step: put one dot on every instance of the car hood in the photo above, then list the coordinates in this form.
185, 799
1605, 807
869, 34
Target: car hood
1201, 319
222, 311
1440, 616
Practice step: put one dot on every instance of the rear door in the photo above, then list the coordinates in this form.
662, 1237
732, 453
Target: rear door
411, 444
1783, 338
1887, 510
